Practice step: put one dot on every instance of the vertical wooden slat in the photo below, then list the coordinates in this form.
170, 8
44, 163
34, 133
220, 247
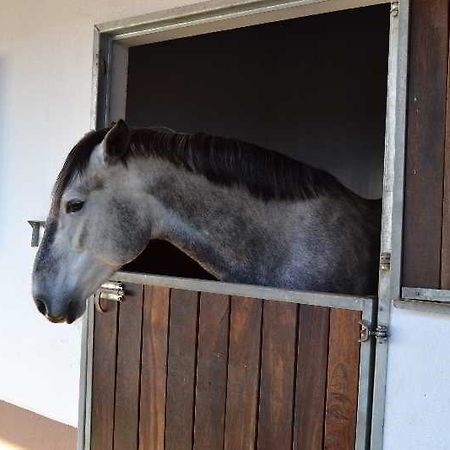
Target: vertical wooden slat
277, 376
155, 328
445, 254
243, 373
181, 369
104, 377
126, 423
342, 382
425, 143
312, 360
212, 358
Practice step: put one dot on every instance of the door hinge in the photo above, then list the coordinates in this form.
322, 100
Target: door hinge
385, 261
112, 290
380, 333
395, 8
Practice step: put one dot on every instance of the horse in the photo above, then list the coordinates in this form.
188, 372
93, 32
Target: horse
244, 213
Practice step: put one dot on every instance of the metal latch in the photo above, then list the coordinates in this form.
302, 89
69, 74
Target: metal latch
380, 333
113, 291
385, 261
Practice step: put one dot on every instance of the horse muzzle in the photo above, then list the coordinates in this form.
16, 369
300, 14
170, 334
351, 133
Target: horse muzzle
66, 312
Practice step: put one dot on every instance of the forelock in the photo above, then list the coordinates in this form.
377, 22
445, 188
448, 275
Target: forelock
75, 164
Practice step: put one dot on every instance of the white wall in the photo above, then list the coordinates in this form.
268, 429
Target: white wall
45, 76
45, 95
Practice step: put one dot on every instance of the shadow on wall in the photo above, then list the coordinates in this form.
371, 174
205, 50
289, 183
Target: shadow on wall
2, 140
21, 429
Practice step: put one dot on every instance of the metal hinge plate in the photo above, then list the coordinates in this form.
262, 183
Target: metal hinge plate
395, 8
113, 291
380, 333
385, 261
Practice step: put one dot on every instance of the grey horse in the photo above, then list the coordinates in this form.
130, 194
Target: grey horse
244, 213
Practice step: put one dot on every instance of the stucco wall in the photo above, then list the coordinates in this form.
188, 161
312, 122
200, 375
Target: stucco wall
45, 89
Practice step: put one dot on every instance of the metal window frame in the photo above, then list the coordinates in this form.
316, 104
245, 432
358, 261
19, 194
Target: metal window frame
389, 284
214, 15
424, 300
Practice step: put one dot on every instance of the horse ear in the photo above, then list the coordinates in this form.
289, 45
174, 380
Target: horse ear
116, 142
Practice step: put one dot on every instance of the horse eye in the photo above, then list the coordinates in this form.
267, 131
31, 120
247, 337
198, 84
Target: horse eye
73, 206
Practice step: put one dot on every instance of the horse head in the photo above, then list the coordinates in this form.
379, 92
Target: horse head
94, 226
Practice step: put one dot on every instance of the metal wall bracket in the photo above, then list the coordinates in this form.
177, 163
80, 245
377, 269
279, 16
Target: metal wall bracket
113, 291
36, 225
380, 333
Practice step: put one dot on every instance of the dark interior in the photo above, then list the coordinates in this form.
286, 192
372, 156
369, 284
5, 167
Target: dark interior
163, 258
313, 88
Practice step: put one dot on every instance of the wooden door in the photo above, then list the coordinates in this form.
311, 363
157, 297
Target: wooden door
177, 369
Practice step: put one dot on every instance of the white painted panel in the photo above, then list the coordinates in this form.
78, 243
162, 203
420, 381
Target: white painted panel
418, 383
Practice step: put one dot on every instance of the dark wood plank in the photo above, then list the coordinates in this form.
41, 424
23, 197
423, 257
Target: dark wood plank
181, 369
212, 358
277, 376
445, 253
155, 328
104, 377
425, 143
126, 420
312, 361
243, 374
342, 383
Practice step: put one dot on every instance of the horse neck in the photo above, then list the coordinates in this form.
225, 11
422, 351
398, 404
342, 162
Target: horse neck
225, 229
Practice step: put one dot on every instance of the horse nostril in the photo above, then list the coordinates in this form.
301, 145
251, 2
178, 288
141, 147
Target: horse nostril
41, 306
71, 312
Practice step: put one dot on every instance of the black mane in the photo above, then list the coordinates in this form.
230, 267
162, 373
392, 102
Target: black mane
266, 174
